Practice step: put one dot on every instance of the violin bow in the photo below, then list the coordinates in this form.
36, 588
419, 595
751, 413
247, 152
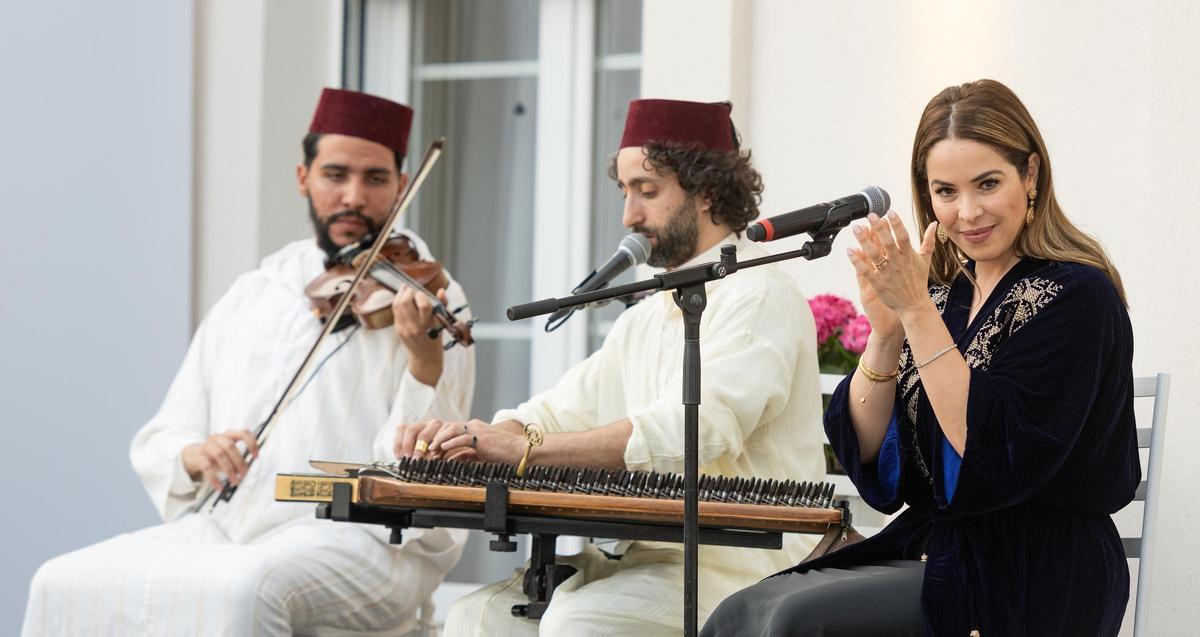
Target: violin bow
263, 432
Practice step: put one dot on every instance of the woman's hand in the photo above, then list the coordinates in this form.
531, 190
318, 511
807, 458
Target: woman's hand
893, 277
884, 322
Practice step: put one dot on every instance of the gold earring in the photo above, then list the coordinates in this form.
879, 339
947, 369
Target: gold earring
1029, 211
941, 234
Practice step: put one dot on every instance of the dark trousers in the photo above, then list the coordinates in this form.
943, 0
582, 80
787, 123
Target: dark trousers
881, 599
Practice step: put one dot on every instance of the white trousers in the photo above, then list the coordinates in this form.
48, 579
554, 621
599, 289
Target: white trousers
639, 595
187, 578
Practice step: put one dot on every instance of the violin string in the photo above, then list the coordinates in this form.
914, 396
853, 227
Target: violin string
409, 280
438, 307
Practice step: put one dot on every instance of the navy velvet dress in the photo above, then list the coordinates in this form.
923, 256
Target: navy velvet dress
1017, 531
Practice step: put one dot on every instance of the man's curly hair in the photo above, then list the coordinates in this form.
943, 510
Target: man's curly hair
732, 186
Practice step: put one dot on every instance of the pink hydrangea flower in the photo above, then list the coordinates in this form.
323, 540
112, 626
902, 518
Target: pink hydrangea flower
854, 334
831, 313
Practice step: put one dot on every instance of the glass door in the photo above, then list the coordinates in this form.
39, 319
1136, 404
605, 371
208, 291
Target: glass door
531, 97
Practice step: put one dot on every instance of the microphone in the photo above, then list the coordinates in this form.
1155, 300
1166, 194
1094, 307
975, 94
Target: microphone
633, 250
823, 217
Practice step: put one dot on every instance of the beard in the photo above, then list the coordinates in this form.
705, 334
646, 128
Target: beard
676, 238
321, 227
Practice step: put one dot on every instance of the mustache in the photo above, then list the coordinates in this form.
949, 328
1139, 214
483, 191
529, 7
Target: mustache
350, 214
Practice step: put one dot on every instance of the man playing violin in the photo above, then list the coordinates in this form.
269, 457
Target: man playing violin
689, 189
251, 565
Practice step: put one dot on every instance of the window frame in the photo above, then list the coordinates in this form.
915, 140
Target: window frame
566, 69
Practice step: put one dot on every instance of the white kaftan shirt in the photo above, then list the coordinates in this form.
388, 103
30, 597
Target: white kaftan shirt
760, 411
238, 364
254, 566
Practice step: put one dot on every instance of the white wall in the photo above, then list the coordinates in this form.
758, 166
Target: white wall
260, 67
828, 96
95, 123
98, 115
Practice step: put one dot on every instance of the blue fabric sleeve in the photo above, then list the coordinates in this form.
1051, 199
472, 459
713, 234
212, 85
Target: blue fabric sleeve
887, 467
951, 462
878, 481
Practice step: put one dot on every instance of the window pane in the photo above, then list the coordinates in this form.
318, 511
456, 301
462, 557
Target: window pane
497, 384
620, 26
476, 211
478, 30
614, 91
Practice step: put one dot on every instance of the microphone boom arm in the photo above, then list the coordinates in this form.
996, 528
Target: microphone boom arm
820, 245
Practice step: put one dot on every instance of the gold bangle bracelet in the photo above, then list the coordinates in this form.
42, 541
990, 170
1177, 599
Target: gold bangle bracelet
533, 438
874, 376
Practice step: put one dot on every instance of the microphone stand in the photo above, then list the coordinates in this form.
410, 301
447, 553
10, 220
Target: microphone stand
689, 295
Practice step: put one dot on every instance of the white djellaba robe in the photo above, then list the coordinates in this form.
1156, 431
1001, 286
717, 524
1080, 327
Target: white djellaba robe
760, 416
253, 566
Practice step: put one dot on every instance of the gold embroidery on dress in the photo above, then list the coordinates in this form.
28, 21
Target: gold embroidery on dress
940, 294
1023, 302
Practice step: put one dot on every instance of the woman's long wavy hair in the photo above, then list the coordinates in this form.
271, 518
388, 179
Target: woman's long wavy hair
988, 112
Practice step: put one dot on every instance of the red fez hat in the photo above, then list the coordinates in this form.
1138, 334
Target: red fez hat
364, 116
690, 124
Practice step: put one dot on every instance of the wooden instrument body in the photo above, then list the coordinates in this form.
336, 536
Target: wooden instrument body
372, 302
389, 492
547, 503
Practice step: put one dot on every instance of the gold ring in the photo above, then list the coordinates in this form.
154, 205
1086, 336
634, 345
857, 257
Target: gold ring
882, 264
421, 446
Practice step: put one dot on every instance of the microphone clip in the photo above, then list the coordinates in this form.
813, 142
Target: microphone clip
821, 244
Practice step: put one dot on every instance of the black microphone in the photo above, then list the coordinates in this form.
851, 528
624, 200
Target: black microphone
633, 250
823, 217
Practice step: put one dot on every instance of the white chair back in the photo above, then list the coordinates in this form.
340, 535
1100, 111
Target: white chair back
1142, 548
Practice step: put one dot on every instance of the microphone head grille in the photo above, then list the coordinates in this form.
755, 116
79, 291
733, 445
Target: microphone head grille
877, 200
637, 247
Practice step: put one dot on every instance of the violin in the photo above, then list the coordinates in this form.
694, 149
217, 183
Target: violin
339, 297
398, 265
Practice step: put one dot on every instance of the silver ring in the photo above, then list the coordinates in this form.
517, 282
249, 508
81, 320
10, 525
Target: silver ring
465, 430
474, 440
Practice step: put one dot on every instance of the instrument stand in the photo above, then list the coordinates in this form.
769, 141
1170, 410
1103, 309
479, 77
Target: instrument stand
543, 575
689, 294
